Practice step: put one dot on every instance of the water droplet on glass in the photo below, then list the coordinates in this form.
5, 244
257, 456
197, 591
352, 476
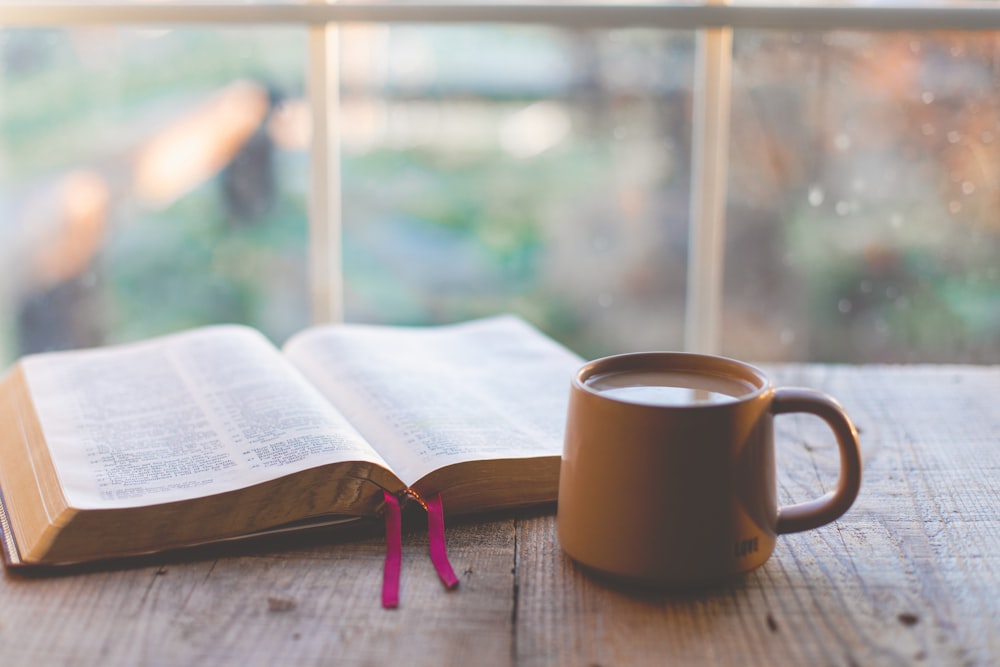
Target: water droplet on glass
954, 137
927, 129
844, 305
842, 208
954, 206
816, 195
866, 286
968, 187
927, 97
842, 142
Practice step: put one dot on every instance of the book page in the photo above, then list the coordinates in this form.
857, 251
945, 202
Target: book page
180, 417
430, 397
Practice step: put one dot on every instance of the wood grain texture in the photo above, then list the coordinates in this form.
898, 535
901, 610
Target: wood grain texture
313, 606
910, 576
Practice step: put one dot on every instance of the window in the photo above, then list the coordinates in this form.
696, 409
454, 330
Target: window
151, 180
158, 177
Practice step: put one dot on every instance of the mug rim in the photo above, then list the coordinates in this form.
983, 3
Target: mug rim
691, 362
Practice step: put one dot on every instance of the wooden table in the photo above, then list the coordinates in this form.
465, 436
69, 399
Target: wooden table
911, 575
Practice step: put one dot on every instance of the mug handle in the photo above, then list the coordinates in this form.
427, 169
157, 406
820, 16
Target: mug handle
830, 506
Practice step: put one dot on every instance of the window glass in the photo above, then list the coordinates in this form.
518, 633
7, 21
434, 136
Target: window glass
538, 171
156, 179
150, 180
863, 197
485, 169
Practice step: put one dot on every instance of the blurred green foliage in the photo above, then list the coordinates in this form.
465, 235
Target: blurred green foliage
442, 232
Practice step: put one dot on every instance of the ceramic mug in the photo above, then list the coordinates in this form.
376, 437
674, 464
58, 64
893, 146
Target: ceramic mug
668, 471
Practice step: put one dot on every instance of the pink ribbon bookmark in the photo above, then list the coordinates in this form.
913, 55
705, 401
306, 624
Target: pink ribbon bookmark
438, 547
394, 546
393, 552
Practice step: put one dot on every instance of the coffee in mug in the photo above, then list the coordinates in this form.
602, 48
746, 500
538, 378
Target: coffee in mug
668, 388
668, 471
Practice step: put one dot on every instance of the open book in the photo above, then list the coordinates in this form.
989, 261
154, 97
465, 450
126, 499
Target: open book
214, 433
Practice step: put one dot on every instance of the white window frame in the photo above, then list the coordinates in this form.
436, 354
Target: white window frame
714, 22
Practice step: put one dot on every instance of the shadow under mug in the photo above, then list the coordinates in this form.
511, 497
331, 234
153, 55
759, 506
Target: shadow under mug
683, 495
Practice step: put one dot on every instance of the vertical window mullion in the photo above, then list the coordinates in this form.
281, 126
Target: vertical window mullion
326, 279
709, 166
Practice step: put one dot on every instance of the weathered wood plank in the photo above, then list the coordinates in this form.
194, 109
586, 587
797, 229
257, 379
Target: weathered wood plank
311, 606
910, 575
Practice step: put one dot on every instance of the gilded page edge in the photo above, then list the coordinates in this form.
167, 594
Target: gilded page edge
11, 554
